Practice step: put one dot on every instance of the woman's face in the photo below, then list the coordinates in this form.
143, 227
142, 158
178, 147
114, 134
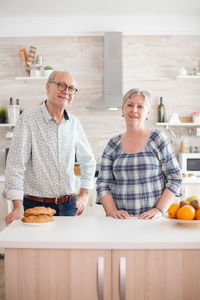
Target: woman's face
135, 111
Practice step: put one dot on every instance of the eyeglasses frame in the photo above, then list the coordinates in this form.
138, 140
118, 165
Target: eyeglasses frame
67, 87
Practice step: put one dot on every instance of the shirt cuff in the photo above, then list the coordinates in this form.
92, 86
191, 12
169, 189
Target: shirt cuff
87, 184
13, 194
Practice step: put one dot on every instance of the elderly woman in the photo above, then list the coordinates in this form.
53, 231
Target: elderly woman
139, 173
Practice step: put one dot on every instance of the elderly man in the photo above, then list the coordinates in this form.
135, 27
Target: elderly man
40, 163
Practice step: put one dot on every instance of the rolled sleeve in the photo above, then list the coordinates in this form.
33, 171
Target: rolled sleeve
18, 155
170, 168
13, 194
86, 160
105, 178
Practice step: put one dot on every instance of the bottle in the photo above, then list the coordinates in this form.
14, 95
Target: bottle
13, 111
182, 147
17, 109
161, 111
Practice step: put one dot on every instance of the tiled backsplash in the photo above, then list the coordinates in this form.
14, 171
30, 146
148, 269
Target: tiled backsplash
149, 62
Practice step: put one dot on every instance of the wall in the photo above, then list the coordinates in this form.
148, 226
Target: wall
150, 62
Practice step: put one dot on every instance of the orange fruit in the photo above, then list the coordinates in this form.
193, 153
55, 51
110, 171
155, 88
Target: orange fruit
173, 210
186, 212
197, 214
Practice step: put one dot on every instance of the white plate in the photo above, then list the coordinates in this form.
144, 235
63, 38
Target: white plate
36, 224
189, 223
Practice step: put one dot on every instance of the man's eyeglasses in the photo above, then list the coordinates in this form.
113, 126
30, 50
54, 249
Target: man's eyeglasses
61, 86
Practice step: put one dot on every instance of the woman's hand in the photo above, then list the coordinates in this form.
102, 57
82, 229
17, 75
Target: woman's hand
150, 214
120, 214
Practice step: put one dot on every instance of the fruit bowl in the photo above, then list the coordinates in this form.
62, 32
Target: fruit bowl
187, 223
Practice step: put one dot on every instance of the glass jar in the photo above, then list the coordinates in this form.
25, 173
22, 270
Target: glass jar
196, 117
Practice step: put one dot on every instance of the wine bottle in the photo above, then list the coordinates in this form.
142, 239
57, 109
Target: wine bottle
161, 111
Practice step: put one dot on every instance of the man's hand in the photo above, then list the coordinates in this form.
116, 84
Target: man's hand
81, 201
16, 213
120, 214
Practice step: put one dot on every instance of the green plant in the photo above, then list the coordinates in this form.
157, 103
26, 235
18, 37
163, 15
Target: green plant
2, 115
48, 68
2, 112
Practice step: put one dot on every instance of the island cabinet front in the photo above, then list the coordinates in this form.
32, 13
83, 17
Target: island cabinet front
160, 274
74, 274
50, 274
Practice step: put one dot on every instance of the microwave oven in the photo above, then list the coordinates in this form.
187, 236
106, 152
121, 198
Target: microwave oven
190, 163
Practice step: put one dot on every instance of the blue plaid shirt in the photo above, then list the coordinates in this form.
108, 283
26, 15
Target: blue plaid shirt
137, 180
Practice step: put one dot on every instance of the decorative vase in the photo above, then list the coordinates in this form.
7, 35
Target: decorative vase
46, 73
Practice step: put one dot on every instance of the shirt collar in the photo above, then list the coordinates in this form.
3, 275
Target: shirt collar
48, 116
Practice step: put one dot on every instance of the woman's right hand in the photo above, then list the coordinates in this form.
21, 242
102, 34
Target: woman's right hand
120, 214
15, 214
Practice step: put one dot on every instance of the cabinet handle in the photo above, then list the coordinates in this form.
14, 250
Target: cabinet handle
100, 277
122, 278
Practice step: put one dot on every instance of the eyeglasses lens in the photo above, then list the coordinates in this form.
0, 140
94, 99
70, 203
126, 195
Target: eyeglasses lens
62, 87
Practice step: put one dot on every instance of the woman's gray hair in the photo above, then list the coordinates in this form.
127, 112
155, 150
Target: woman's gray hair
137, 92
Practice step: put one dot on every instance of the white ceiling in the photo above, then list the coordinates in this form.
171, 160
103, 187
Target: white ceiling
39, 8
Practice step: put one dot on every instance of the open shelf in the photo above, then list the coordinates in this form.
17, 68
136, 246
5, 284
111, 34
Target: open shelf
25, 78
178, 124
7, 125
188, 77
30, 78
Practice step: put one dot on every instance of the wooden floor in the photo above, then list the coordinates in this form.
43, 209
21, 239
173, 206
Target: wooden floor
2, 296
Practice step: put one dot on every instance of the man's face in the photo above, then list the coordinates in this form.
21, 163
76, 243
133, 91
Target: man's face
57, 98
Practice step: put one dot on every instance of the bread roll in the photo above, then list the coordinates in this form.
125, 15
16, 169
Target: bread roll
37, 219
39, 210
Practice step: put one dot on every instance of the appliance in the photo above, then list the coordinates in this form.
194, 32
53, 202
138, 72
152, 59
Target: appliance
190, 163
113, 76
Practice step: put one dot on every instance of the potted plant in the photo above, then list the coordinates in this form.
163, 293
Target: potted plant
47, 70
2, 115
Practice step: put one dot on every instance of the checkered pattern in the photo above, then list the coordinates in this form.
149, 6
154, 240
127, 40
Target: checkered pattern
137, 180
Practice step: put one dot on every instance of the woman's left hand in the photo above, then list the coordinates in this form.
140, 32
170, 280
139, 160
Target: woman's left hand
150, 214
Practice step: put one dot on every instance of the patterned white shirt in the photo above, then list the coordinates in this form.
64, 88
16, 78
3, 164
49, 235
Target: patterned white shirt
41, 156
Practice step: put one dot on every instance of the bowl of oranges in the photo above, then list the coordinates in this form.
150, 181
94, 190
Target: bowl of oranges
186, 212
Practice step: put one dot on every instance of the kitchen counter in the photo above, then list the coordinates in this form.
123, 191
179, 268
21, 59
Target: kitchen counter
101, 258
101, 233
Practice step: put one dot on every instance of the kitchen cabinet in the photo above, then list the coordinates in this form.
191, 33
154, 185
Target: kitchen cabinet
57, 274
157, 274
102, 274
101, 258
5, 206
191, 188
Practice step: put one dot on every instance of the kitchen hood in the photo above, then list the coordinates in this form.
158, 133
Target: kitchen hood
113, 93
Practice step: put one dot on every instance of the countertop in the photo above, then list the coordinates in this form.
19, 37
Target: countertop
85, 232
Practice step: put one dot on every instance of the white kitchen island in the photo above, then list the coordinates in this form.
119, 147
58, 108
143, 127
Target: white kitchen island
101, 258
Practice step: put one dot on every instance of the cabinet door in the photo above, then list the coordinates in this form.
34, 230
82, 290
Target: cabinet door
190, 189
156, 274
44, 274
